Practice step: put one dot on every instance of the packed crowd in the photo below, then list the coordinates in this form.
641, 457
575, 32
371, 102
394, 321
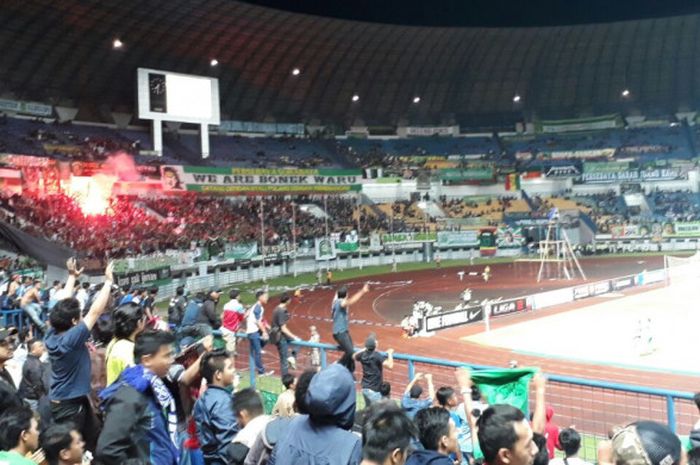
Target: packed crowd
107, 386
131, 226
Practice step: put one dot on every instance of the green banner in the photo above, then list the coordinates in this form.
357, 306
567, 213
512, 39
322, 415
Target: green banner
605, 167
507, 237
129, 265
457, 238
507, 386
241, 251
682, 229
155, 277
470, 174
408, 237
579, 124
325, 249
240, 180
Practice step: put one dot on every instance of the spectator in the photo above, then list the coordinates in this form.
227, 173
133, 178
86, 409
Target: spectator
339, 312
695, 432
322, 436
129, 322
233, 315
149, 302
140, 413
34, 374
216, 423
551, 432
438, 435
468, 412
176, 308
30, 303
20, 437
315, 352
284, 407
385, 392
280, 334
249, 412
256, 331
207, 315
373, 363
8, 389
386, 435
62, 445
279, 426
70, 358
542, 456
54, 288
570, 442
411, 401
505, 437
82, 295
642, 442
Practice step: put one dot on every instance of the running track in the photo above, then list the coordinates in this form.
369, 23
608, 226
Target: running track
392, 295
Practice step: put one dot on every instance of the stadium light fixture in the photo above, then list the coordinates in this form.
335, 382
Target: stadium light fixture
416, 99
516, 98
116, 43
296, 72
214, 62
625, 93
355, 98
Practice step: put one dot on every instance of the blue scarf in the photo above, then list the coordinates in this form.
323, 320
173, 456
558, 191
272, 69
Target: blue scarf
141, 380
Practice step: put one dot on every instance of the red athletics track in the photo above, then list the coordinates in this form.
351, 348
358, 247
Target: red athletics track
392, 295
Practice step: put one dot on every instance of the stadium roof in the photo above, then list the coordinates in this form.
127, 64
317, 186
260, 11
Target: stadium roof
62, 52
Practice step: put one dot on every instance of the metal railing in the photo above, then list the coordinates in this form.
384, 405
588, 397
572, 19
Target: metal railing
592, 406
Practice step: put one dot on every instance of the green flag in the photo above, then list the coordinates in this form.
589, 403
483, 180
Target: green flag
506, 386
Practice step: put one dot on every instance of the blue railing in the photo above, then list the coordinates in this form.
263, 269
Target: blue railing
666, 395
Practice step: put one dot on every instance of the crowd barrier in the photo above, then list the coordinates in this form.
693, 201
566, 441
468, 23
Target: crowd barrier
593, 407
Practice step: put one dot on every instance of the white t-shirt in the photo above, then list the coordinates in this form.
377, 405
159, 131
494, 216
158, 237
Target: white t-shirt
82, 297
570, 460
252, 430
251, 322
234, 305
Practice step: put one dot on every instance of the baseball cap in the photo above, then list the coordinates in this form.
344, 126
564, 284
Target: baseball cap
646, 443
215, 289
6, 333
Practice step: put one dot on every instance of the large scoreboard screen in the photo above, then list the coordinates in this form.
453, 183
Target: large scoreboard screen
168, 96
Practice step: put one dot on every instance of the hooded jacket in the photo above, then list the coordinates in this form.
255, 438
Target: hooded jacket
135, 426
425, 457
551, 432
322, 436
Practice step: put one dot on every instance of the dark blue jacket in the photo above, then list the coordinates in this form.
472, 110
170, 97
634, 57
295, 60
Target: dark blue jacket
216, 423
135, 426
425, 457
322, 437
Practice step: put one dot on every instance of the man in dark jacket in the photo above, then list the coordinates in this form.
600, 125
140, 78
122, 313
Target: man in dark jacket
323, 436
176, 309
8, 390
438, 435
216, 423
33, 385
141, 417
207, 314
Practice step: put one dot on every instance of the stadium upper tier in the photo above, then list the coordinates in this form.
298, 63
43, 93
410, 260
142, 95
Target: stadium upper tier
80, 141
62, 52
